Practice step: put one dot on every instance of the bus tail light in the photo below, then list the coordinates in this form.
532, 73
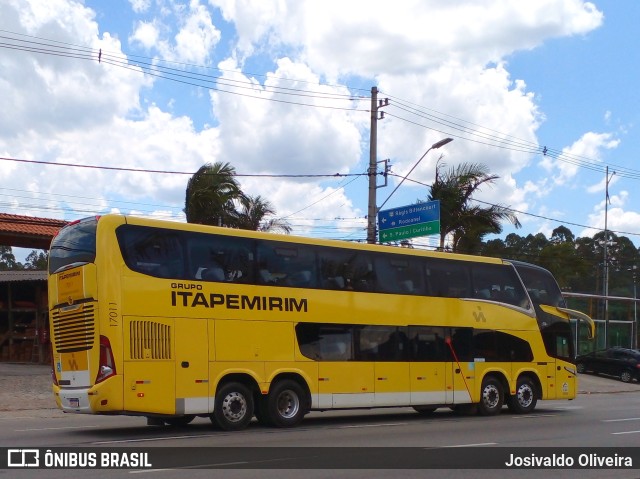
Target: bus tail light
107, 366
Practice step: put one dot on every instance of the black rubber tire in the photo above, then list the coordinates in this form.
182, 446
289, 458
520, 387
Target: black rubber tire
233, 408
286, 404
491, 397
526, 397
179, 420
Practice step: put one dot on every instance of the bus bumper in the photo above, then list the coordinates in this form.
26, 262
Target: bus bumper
102, 398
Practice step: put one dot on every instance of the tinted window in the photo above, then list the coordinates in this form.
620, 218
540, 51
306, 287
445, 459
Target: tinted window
286, 264
220, 258
152, 251
74, 244
498, 283
427, 343
346, 269
462, 343
449, 279
541, 285
499, 346
399, 275
325, 342
382, 343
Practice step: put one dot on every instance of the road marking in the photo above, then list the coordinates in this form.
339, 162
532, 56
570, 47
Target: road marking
533, 416
621, 420
159, 438
625, 432
374, 425
54, 428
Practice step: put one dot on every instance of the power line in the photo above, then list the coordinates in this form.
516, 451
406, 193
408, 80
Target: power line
191, 173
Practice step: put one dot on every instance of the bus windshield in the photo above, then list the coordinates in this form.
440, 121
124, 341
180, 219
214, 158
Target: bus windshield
75, 244
541, 285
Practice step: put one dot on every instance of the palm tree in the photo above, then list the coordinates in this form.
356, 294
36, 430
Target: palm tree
253, 216
467, 223
210, 196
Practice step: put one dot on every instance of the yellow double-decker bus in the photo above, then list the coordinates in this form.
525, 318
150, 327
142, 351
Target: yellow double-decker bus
171, 321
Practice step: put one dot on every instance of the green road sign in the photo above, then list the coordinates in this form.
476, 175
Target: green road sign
410, 231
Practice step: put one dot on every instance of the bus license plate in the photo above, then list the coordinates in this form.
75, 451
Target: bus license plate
74, 402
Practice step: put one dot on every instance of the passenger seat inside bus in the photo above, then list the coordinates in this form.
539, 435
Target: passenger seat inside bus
213, 273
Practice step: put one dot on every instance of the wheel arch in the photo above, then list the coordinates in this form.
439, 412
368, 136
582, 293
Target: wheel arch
243, 378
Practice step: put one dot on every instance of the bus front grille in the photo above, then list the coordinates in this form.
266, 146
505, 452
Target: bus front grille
150, 340
73, 327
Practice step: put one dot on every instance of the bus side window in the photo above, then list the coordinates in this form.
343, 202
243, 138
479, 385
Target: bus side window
152, 252
448, 279
285, 264
220, 258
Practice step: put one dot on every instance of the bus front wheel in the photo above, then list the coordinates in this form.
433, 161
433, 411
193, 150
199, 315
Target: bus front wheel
491, 397
286, 404
233, 408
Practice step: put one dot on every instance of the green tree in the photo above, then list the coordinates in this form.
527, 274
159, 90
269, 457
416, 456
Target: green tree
257, 214
7, 259
37, 260
210, 195
467, 223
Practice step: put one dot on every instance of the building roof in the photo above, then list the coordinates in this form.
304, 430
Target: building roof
28, 231
12, 276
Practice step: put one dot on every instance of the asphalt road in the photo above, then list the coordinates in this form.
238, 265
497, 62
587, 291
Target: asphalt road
605, 414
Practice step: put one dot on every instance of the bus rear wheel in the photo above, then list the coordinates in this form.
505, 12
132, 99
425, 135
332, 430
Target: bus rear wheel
233, 407
286, 404
525, 399
491, 397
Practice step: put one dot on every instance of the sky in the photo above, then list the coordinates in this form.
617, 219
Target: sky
111, 105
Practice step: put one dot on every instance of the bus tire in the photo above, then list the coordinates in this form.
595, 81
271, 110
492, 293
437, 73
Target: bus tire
526, 397
179, 420
491, 397
233, 407
286, 404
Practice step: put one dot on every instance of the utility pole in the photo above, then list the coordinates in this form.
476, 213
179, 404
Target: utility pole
606, 259
373, 164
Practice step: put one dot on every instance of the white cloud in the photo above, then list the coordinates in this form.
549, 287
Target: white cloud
269, 135
447, 55
618, 218
140, 6
368, 37
145, 34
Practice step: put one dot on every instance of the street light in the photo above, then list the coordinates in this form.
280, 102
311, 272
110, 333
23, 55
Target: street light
435, 146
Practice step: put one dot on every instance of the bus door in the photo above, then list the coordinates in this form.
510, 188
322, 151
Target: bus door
192, 366
428, 377
461, 367
392, 366
342, 381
